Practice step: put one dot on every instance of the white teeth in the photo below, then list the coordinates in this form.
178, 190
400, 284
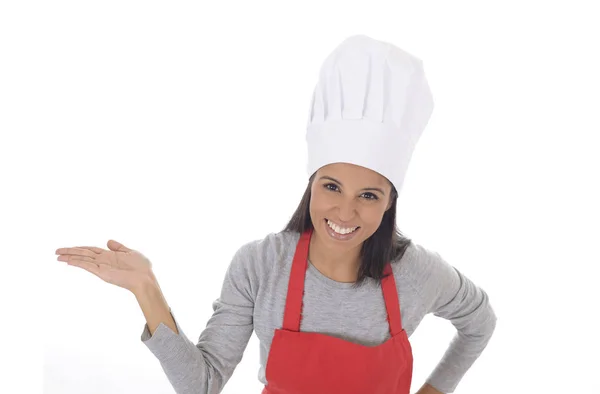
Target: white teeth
339, 229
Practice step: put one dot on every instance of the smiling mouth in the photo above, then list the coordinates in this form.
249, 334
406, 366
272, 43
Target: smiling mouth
356, 228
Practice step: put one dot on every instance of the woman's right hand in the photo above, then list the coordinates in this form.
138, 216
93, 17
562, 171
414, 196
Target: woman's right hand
119, 265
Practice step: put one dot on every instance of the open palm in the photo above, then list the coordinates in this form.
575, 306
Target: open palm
120, 266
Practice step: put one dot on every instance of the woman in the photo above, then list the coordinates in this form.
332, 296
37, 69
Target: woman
334, 296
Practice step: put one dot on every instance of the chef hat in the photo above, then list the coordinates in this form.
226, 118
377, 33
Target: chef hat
369, 108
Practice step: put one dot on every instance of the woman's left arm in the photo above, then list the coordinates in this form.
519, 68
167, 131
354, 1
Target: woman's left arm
449, 294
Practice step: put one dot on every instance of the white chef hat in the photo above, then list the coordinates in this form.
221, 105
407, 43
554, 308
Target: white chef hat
369, 108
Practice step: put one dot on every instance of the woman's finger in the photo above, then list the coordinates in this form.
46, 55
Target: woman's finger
117, 246
76, 252
93, 249
67, 258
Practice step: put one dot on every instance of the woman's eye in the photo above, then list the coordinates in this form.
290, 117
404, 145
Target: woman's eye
371, 195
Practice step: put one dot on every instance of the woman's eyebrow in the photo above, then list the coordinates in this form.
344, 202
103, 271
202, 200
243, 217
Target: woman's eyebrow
366, 188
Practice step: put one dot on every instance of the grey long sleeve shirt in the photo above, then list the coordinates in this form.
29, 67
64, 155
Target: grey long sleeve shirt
253, 298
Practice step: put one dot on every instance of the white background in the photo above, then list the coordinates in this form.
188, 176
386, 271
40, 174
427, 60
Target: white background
177, 128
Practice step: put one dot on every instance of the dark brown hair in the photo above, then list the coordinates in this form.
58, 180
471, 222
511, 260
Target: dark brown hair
387, 243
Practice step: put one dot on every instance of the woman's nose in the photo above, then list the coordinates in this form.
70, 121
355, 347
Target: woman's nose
347, 211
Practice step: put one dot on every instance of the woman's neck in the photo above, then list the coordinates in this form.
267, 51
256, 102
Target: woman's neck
341, 267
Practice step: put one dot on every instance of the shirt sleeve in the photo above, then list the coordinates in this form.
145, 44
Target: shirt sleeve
449, 294
205, 367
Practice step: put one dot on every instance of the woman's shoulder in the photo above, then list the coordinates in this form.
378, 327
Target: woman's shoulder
273, 244
423, 268
267, 252
415, 258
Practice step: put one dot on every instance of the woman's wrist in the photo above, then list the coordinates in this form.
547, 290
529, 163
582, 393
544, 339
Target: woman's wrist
146, 283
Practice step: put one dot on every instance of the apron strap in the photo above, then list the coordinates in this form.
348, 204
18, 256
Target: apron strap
293, 304
390, 295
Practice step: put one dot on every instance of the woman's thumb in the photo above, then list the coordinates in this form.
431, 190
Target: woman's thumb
116, 246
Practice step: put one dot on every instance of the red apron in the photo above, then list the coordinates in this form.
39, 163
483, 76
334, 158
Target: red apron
314, 363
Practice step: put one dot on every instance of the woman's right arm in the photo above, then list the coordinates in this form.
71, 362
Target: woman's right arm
201, 368
204, 367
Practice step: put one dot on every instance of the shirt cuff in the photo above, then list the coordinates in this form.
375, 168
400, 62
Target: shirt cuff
164, 343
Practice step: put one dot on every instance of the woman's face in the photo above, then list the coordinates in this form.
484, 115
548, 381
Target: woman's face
350, 196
